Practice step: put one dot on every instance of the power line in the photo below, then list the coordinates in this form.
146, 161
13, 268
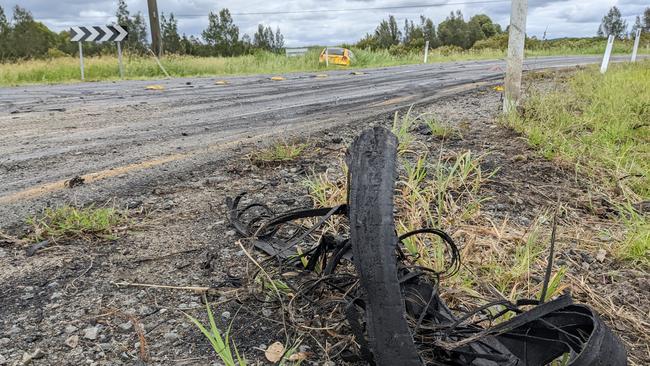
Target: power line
318, 11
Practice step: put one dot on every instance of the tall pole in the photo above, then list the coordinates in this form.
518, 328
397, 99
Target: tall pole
81, 59
515, 60
154, 22
636, 44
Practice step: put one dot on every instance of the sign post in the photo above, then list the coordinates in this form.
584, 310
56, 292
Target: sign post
636, 44
426, 51
608, 53
101, 33
327, 57
81, 60
119, 59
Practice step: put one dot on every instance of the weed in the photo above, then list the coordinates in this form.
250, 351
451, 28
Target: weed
402, 129
635, 246
221, 343
277, 153
439, 129
326, 191
68, 222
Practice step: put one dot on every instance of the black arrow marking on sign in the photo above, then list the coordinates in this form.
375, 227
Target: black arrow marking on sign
101, 33
115, 33
86, 34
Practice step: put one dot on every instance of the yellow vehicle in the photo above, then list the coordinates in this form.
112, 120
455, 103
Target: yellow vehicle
336, 56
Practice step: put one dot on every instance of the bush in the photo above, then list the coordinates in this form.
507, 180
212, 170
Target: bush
56, 53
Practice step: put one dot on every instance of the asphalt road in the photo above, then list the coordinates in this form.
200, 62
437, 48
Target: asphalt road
120, 136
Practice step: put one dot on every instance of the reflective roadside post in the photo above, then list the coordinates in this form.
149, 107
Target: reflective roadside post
636, 44
426, 51
608, 53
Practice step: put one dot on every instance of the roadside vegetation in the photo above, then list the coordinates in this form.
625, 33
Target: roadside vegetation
68, 222
31, 53
599, 124
276, 153
443, 189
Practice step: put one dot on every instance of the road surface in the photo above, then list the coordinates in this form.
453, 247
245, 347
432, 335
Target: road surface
120, 136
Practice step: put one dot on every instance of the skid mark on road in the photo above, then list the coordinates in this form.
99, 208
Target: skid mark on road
393, 101
89, 178
40, 190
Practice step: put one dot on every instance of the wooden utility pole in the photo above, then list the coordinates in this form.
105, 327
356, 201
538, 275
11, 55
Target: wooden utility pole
154, 22
515, 60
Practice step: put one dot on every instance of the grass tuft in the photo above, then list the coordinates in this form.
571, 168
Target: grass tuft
68, 222
277, 153
220, 342
440, 129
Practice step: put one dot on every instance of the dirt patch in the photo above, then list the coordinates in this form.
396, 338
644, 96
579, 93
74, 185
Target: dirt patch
67, 301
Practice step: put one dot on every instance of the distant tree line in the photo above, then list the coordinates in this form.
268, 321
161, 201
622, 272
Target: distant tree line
23, 37
453, 31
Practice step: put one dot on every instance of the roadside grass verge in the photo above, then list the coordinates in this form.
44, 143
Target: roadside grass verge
444, 191
277, 153
66, 69
600, 124
67, 222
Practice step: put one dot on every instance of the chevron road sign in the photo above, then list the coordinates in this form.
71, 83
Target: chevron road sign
98, 33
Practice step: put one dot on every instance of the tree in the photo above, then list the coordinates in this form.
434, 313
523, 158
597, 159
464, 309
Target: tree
5, 32
222, 34
28, 37
646, 20
480, 27
169, 29
429, 32
613, 24
387, 33
264, 39
136, 41
637, 25
278, 46
453, 31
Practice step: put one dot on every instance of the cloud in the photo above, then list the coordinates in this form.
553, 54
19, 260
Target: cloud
562, 17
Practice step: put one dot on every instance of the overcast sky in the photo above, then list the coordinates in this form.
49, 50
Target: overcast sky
563, 18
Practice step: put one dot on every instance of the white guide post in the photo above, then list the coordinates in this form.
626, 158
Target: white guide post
327, 57
608, 53
119, 59
426, 51
515, 60
81, 59
636, 44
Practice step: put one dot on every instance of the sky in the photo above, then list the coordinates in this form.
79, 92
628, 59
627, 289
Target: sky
309, 22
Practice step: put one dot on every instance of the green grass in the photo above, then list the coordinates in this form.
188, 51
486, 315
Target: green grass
68, 222
441, 129
601, 125
223, 346
66, 69
277, 153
